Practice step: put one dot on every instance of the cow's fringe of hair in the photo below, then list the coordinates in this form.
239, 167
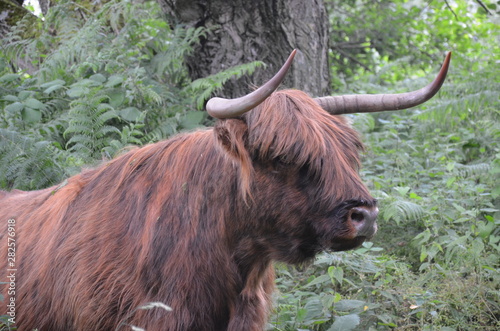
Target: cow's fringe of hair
291, 128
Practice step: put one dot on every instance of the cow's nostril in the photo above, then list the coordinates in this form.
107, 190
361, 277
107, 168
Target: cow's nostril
357, 216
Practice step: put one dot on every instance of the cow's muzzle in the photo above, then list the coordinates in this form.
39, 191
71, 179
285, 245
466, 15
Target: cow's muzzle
364, 221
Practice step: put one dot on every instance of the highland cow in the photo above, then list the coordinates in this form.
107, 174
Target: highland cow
196, 221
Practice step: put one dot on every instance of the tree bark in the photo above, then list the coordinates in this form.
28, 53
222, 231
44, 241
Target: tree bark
243, 31
11, 11
44, 6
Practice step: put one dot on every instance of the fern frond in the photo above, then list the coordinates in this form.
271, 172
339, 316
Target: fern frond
89, 128
204, 87
402, 210
471, 170
30, 163
162, 130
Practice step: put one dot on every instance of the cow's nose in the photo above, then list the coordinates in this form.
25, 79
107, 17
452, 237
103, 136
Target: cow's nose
363, 219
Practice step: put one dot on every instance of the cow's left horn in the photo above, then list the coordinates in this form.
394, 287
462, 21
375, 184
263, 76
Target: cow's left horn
227, 108
347, 104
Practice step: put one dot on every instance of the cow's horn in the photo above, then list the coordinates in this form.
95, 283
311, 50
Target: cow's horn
227, 108
346, 104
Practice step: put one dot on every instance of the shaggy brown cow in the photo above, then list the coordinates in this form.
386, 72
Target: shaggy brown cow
194, 222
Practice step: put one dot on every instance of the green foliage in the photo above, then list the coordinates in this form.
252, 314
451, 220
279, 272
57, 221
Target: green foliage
367, 35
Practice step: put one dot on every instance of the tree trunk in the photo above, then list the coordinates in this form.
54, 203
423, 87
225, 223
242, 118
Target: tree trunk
243, 31
12, 11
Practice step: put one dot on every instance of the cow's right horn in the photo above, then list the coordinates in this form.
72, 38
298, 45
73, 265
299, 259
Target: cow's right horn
346, 104
228, 108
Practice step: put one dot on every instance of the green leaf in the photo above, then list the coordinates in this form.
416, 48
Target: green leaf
53, 88
319, 280
314, 309
402, 190
77, 91
100, 78
130, 114
193, 119
52, 83
402, 210
349, 305
31, 115
345, 323
423, 254
116, 97
14, 107
34, 103
10, 97
415, 196
336, 273
9, 78
114, 80
392, 325
485, 229
301, 314
23, 95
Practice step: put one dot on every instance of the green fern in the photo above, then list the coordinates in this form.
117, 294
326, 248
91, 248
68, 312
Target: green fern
472, 170
89, 128
30, 163
401, 210
130, 135
204, 87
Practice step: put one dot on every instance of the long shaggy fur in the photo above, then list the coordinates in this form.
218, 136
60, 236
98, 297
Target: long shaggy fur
193, 222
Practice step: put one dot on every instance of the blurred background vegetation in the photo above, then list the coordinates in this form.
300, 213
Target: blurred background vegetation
89, 83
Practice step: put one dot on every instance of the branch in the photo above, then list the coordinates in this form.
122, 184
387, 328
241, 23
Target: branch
448, 5
354, 44
342, 44
484, 7
352, 59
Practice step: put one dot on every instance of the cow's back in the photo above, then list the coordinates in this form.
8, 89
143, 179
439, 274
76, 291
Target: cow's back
18, 233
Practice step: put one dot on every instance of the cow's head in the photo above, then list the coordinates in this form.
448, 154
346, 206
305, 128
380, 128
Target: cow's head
299, 164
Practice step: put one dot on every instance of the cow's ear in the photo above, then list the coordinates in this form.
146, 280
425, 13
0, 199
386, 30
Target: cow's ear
232, 135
